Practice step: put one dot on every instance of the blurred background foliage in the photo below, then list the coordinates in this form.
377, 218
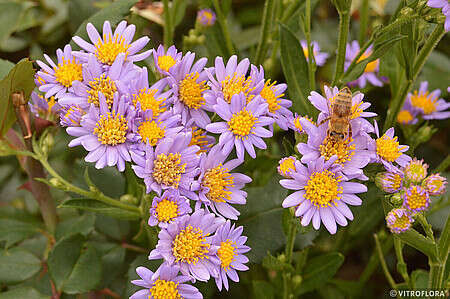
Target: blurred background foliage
339, 266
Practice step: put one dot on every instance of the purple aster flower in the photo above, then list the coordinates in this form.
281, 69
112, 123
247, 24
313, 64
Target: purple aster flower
351, 153
387, 150
370, 72
57, 79
399, 220
294, 123
43, 107
200, 138
408, 114
187, 243
286, 166
97, 80
242, 126
70, 116
163, 284
188, 82
435, 184
227, 81
319, 57
322, 194
390, 181
109, 46
164, 61
429, 104
168, 208
415, 171
206, 17
416, 199
358, 117
231, 253
272, 94
216, 187
105, 133
445, 5
172, 164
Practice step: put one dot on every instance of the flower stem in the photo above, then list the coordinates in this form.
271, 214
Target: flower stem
426, 226
401, 265
261, 50
288, 252
224, 26
363, 24
444, 165
311, 58
383, 263
168, 32
344, 24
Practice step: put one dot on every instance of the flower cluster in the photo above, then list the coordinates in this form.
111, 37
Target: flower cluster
164, 131
411, 189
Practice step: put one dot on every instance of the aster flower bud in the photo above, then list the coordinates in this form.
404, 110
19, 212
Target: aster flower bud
396, 200
415, 171
435, 184
389, 182
398, 220
297, 280
416, 199
286, 166
129, 199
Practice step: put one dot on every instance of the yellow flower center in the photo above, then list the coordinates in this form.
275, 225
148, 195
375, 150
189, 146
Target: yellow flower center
218, 180
190, 245
236, 84
165, 289
435, 185
111, 129
104, 85
166, 62
51, 102
191, 91
388, 148
71, 111
166, 210
242, 123
287, 165
67, 72
151, 131
343, 149
424, 102
209, 16
109, 48
146, 98
395, 179
415, 199
371, 66
323, 188
226, 253
41, 81
268, 94
199, 138
404, 117
416, 171
401, 222
356, 110
167, 169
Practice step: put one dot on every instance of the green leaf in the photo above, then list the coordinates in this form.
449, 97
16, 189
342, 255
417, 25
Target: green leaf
262, 290
319, 270
444, 241
419, 279
295, 69
178, 11
20, 78
5, 67
74, 265
81, 224
113, 13
99, 207
80, 10
13, 231
10, 13
23, 292
113, 228
17, 265
414, 239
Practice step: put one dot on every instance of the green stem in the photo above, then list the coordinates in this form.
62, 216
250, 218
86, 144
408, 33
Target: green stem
357, 57
168, 32
401, 265
344, 24
310, 58
444, 165
288, 252
426, 226
383, 263
261, 50
224, 26
422, 57
364, 17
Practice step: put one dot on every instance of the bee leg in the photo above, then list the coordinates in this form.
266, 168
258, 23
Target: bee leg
350, 133
324, 120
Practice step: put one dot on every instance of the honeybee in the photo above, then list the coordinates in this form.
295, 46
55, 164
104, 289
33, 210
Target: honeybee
339, 128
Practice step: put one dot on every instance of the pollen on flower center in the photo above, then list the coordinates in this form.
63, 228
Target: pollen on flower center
404, 117
191, 91
356, 110
68, 71
416, 198
166, 210
226, 253
268, 94
165, 289
151, 131
199, 138
165, 62
236, 84
395, 179
371, 66
146, 98
190, 245
242, 123
104, 85
167, 169
388, 148
343, 149
218, 180
111, 129
323, 188
402, 222
424, 102
286, 166
109, 48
